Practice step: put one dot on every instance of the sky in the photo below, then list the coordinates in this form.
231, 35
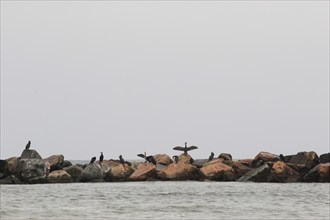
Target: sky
126, 77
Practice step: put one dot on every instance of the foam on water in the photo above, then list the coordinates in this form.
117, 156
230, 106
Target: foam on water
166, 200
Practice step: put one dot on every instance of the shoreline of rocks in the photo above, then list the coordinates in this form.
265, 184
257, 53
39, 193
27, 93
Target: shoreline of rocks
31, 168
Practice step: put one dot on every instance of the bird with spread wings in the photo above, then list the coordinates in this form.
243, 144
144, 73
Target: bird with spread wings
185, 149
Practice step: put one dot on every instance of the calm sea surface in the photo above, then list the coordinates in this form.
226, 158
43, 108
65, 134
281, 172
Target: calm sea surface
166, 200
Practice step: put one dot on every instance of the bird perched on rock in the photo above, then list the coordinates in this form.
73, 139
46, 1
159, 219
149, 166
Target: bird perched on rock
149, 159
176, 159
122, 161
92, 160
28, 145
101, 157
281, 157
185, 149
211, 156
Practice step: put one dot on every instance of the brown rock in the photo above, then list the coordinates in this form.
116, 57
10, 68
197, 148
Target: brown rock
280, 172
59, 176
240, 169
163, 159
309, 159
180, 171
266, 157
12, 164
216, 170
119, 172
186, 158
246, 162
144, 171
55, 162
319, 173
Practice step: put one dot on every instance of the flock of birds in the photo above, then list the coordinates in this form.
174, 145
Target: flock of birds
149, 159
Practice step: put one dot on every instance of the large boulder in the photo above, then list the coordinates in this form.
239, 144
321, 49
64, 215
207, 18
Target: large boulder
30, 154
264, 157
92, 173
259, 174
119, 172
59, 176
240, 169
246, 162
282, 173
74, 171
319, 173
225, 156
186, 158
216, 170
325, 158
308, 159
163, 159
144, 172
55, 162
180, 171
33, 170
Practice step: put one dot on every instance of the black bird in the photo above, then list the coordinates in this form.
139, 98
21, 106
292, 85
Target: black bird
121, 159
281, 157
185, 149
101, 157
149, 159
93, 160
211, 156
176, 159
28, 145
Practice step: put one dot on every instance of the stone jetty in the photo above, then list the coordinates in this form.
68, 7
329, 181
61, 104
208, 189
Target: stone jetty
31, 168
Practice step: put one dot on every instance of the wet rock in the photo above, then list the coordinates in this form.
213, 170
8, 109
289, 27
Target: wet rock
11, 179
163, 159
74, 171
309, 159
143, 172
92, 173
180, 171
216, 170
240, 169
225, 156
119, 172
59, 176
186, 158
3, 166
55, 162
33, 170
259, 174
319, 173
30, 154
280, 172
325, 158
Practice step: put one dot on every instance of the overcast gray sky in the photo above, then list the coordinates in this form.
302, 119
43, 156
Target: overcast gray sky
78, 78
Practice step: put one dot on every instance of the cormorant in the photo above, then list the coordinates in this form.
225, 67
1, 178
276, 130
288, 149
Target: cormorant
281, 157
176, 159
121, 159
149, 159
211, 156
28, 145
101, 157
93, 160
185, 149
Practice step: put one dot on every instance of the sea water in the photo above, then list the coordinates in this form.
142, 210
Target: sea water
166, 200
